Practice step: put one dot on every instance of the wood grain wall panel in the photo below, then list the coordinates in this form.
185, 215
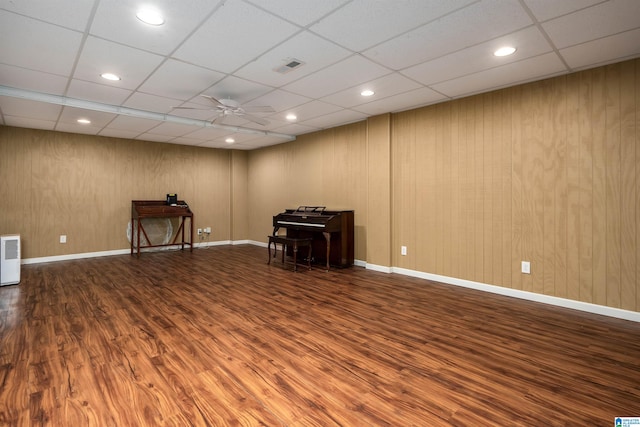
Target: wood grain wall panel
546, 172
629, 188
612, 185
574, 213
429, 204
517, 188
456, 201
15, 185
238, 193
404, 190
82, 186
598, 119
378, 192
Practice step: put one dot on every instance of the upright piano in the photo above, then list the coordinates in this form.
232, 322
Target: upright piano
332, 232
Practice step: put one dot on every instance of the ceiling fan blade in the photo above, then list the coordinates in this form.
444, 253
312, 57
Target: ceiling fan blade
219, 119
255, 119
192, 108
258, 109
212, 99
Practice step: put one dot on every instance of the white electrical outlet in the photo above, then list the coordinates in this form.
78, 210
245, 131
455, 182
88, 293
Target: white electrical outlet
526, 267
199, 231
207, 230
403, 250
63, 238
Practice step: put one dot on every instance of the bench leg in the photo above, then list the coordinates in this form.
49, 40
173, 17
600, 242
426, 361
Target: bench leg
295, 257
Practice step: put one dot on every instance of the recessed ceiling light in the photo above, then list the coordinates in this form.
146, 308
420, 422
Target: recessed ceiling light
110, 76
505, 51
291, 117
150, 16
367, 92
229, 140
84, 121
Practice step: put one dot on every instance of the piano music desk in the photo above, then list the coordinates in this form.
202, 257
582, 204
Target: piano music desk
294, 244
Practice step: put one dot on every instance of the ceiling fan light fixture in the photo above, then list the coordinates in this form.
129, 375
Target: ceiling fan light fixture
150, 16
505, 51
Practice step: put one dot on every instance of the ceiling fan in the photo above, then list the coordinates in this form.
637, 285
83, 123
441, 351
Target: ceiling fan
229, 107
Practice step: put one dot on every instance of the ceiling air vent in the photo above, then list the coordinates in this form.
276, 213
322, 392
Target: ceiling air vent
291, 64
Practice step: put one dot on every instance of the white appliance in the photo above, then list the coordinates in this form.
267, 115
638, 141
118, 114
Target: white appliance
9, 259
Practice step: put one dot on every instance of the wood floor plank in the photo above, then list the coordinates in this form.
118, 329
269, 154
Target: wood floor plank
217, 337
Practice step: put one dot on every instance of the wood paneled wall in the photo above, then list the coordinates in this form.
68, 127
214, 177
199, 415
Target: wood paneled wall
547, 172
54, 183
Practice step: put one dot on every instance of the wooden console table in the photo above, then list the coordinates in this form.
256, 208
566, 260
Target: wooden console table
141, 209
292, 243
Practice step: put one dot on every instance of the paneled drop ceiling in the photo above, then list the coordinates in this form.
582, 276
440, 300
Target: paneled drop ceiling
410, 53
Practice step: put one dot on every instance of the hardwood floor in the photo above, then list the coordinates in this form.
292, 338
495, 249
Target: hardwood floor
219, 338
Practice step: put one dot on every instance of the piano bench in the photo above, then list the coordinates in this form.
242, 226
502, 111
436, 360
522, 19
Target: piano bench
294, 244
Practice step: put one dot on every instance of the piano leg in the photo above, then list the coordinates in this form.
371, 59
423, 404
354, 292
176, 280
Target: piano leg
327, 237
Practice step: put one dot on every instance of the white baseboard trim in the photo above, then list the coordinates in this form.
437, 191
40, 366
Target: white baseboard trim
82, 255
67, 257
516, 293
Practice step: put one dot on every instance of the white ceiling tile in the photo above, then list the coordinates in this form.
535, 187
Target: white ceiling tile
362, 24
167, 80
348, 73
118, 133
116, 20
314, 109
403, 101
26, 108
158, 104
300, 12
234, 35
605, 50
154, 137
53, 11
280, 100
602, 20
383, 87
336, 119
171, 129
239, 90
36, 45
547, 9
75, 128
296, 129
132, 124
490, 18
507, 75
90, 91
70, 115
101, 56
32, 80
529, 42
314, 51
208, 133
29, 122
